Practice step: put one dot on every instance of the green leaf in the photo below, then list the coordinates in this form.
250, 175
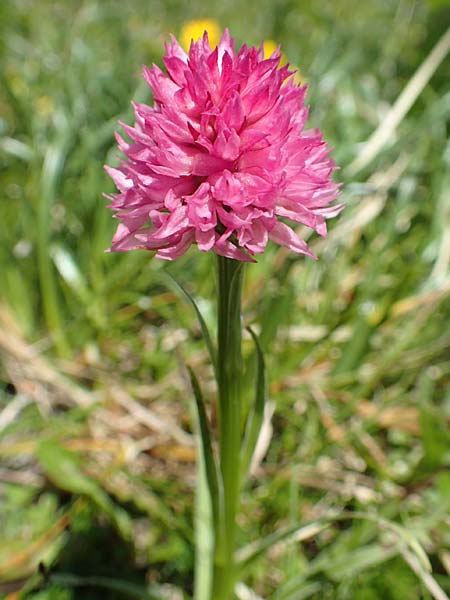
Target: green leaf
204, 533
435, 432
305, 591
53, 592
126, 589
204, 328
248, 554
70, 272
337, 568
208, 500
350, 564
256, 416
62, 467
211, 469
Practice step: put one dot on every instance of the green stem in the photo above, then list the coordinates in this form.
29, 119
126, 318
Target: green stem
229, 378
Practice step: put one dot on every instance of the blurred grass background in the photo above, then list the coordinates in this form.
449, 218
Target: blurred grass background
97, 468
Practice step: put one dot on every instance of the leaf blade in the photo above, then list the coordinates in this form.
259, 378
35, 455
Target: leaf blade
256, 416
211, 468
62, 467
203, 326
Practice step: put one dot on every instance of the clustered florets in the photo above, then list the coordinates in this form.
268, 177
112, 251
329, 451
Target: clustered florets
222, 158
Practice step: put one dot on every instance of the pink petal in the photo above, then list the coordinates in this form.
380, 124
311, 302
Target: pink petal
122, 182
178, 249
285, 236
176, 222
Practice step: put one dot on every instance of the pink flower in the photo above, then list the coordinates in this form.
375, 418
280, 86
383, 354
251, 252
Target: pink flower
222, 159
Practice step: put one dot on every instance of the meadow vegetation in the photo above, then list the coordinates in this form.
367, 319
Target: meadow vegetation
97, 459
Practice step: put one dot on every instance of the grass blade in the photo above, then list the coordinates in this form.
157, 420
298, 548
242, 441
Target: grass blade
248, 554
204, 328
63, 468
211, 469
204, 533
245, 556
208, 500
124, 588
256, 416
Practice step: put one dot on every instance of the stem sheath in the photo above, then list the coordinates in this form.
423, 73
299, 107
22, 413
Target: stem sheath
229, 380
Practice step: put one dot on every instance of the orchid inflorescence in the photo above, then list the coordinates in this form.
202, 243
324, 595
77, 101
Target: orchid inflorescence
222, 159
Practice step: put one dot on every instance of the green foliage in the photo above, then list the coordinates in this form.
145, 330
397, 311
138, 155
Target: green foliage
356, 344
63, 468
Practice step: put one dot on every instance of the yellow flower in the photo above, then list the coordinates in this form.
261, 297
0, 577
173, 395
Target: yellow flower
298, 77
193, 30
269, 48
45, 105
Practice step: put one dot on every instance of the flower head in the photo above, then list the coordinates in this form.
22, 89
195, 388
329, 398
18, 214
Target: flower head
222, 159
